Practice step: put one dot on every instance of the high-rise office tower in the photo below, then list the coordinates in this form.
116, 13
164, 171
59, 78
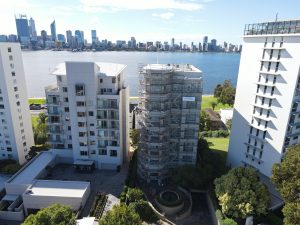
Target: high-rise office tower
205, 44
16, 136
266, 114
69, 37
213, 43
22, 29
88, 113
53, 30
172, 43
44, 37
133, 42
32, 30
61, 38
94, 37
170, 102
79, 39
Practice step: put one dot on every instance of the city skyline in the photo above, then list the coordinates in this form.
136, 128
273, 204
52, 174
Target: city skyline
185, 21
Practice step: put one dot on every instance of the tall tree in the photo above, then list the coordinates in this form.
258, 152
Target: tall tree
53, 215
286, 177
240, 193
225, 93
121, 215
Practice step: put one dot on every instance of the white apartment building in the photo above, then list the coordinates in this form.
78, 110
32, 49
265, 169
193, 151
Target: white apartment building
16, 136
266, 118
170, 102
88, 113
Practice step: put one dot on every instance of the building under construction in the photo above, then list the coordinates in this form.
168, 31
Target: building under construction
169, 108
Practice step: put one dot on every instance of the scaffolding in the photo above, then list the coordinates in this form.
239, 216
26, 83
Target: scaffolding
161, 92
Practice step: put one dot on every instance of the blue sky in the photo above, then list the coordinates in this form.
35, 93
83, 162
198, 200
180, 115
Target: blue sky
185, 20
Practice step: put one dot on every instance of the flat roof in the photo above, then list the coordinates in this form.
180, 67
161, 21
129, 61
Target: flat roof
174, 67
58, 188
32, 169
106, 69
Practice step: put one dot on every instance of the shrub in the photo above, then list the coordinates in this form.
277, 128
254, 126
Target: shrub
144, 210
135, 194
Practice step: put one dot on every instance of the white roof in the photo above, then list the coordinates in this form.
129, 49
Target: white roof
175, 67
58, 188
30, 171
106, 69
86, 221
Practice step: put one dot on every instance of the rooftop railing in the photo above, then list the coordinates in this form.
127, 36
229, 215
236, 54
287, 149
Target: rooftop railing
278, 27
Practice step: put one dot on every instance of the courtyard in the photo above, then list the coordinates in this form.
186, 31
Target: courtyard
110, 182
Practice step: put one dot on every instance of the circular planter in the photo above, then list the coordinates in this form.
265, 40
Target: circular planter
170, 202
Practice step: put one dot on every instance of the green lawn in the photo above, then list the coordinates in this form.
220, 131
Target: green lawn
206, 100
219, 145
37, 101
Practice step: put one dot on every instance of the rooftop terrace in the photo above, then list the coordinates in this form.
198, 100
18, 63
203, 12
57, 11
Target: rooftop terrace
277, 27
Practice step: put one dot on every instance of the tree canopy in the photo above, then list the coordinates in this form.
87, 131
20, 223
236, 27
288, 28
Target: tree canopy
120, 215
40, 130
240, 193
286, 177
145, 212
225, 93
53, 215
135, 194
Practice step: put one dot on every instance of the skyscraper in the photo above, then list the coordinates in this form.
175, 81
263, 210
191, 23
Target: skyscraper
172, 43
53, 30
133, 42
213, 44
266, 114
22, 29
44, 37
94, 37
205, 44
69, 37
16, 136
170, 98
79, 39
88, 115
61, 38
32, 29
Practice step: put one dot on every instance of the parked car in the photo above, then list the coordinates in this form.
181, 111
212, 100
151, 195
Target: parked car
44, 106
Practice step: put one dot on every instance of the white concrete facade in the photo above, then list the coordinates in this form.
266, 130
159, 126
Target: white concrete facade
88, 112
16, 135
266, 114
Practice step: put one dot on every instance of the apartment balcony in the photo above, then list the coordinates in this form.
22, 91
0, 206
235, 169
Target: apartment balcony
53, 112
273, 48
262, 117
258, 127
275, 60
269, 73
53, 102
264, 106
55, 131
269, 84
266, 95
51, 89
259, 138
253, 158
54, 140
253, 146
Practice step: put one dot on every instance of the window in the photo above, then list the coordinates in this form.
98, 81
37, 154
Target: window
59, 78
10, 57
91, 113
92, 125
295, 138
102, 152
271, 54
81, 114
82, 134
70, 146
79, 90
260, 154
9, 149
272, 91
270, 102
66, 99
1, 106
274, 79
69, 127
81, 124
67, 109
80, 103
13, 74
83, 153
65, 89
15, 89
9, 49
257, 90
92, 133
113, 153
101, 80
113, 80
277, 67
12, 66
269, 66
261, 65
18, 103
279, 55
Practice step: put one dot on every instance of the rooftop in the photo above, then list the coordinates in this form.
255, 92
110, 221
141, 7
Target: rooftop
106, 69
276, 27
58, 188
32, 169
173, 67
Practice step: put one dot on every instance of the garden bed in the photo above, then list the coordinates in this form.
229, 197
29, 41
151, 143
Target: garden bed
98, 205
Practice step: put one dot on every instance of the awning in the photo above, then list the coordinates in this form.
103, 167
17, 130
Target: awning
83, 162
